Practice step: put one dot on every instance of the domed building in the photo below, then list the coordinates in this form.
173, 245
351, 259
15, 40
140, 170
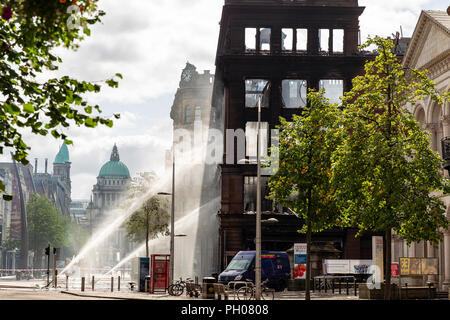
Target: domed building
112, 182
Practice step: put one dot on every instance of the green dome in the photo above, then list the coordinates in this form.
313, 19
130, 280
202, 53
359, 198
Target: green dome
63, 155
114, 168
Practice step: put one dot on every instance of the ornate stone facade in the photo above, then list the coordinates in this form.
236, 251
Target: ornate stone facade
430, 49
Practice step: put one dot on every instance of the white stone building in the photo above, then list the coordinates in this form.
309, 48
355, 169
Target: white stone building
430, 49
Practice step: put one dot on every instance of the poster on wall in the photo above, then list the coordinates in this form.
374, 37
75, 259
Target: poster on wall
299, 260
430, 266
394, 270
415, 265
404, 267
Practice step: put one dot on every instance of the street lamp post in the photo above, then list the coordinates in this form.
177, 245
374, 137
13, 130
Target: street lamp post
172, 220
258, 211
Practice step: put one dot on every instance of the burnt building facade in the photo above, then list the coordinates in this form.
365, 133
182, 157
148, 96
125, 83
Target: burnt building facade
277, 50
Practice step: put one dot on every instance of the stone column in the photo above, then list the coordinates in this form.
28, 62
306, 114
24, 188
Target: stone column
445, 126
446, 284
430, 254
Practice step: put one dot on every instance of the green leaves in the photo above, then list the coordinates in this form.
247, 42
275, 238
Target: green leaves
27, 41
302, 180
384, 171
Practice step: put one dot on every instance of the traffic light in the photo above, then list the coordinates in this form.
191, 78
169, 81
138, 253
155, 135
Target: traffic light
47, 251
54, 250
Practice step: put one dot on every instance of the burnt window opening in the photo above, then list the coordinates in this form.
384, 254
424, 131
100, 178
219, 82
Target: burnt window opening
250, 191
264, 39
294, 93
257, 39
197, 113
334, 89
187, 115
254, 90
338, 40
287, 43
324, 38
251, 129
295, 40
250, 38
302, 39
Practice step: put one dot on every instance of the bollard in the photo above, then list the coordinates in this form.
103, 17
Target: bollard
429, 290
325, 283
406, 290
354, 284
82, 284
346, 281
332, 285
118, 283
112, 284
93, 283
67, 282
196, 280
320, 284
56, 278
339, 283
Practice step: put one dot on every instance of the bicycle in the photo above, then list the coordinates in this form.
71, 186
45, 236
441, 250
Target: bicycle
177, 288
248, 292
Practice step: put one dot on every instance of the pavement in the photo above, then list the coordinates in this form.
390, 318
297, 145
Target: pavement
127, 295
36, 288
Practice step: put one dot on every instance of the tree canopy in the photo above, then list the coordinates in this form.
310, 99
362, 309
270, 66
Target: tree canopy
387, 178
30, 100
45, 224
302, 181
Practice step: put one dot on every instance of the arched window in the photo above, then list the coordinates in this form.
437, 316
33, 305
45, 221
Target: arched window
197, 113
187, 115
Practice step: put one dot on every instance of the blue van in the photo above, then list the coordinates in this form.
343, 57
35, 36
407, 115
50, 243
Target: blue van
274, 266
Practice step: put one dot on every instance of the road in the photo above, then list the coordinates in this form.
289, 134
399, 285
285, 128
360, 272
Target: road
39, 294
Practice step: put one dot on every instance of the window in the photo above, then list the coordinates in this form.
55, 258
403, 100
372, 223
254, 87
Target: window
294, 93
264, 39
324, 35
334, 89
213, 115
253, 91
250, 38
338, 40
187, 116
251, 129
302, 39
287, 39
198, 113
250, 184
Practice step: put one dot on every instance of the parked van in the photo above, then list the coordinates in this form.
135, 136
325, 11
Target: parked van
274, 266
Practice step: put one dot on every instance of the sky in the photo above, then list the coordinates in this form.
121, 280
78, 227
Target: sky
149, 43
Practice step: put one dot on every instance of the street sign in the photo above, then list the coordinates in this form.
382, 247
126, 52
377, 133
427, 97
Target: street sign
299, 260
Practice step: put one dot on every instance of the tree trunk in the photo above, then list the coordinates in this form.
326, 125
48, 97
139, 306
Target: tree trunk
146, 237
308, 263
387, 277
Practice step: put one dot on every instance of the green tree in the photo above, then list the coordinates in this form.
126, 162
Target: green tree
386, 176
45, 225
302, 181
77, 237
148, 222
29, 32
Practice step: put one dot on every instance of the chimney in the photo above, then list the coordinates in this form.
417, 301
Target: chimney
35, 165
46, 163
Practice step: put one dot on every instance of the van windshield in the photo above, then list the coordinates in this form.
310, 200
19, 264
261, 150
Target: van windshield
238, 264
